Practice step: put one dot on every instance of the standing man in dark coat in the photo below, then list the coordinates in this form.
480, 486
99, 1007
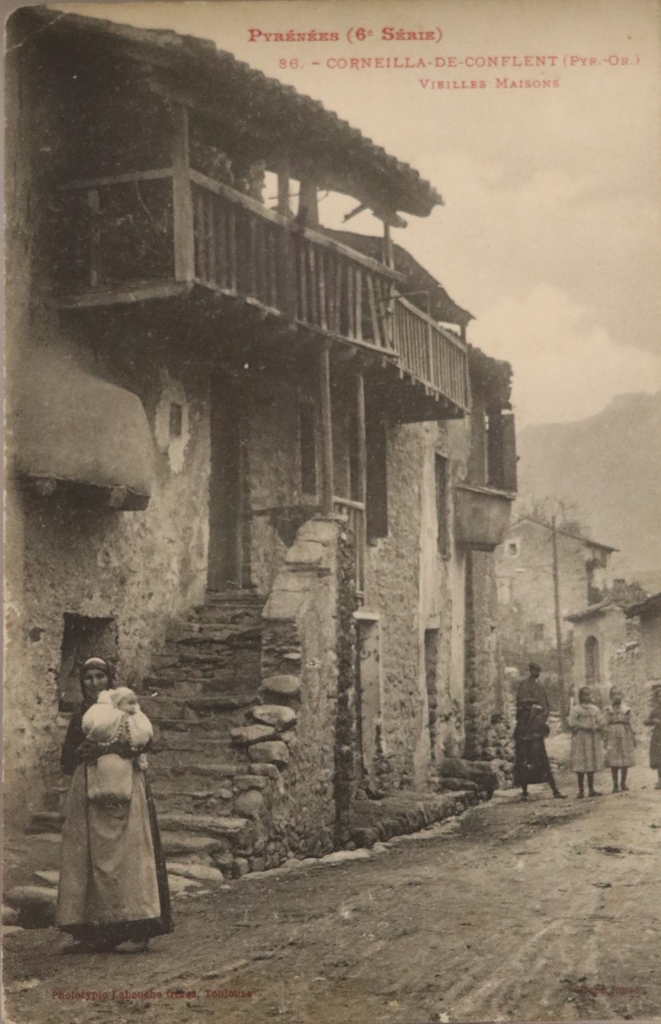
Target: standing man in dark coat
531, 763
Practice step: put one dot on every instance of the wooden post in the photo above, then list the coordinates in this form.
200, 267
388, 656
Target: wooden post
307, 201
361, 538
182, 200
283, 191
326, 432
558, 626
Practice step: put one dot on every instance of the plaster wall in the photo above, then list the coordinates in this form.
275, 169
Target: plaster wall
650, 642
524, 571
138, 568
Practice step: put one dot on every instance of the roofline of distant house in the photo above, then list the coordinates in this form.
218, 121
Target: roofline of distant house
564, 533
649, 605
593, 609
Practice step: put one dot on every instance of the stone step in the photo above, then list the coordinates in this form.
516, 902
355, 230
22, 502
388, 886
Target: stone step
218, 770
175, 706
184, 844
211, 825
230, 674
184, 755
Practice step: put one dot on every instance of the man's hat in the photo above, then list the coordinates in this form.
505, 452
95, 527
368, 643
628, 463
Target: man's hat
534, 667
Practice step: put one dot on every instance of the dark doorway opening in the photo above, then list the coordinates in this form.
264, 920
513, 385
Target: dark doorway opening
83, 638
226, 488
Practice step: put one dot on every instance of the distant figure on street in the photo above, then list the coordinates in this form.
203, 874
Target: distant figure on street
654, 719
531, 763
620, 739
587, 750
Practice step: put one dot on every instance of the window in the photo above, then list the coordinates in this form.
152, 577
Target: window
308, 448
376, 512
512, 548
538, 632
443, 534
592, 674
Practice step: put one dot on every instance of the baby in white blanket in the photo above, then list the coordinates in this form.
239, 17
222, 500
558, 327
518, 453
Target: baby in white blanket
116, 716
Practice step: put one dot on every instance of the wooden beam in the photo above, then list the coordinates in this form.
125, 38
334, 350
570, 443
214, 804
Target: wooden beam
182, 200
326, 431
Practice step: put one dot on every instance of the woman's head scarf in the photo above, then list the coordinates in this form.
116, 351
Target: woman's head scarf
94, 663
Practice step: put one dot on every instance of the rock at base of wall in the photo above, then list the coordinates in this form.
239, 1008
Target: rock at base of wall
9, 915
240, 867
253, 733
249, 804
479, 772
273, 752
199, 872
279, 716
283, 685
35, 905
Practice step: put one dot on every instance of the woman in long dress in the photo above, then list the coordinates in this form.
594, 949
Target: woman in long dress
113, 880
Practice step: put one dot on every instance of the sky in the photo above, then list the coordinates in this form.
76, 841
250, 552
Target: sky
550, 230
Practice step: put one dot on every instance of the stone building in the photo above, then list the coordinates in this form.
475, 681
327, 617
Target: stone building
648, 612
606, 646
526, 602
243, 467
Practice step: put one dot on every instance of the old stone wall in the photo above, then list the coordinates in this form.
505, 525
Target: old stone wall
484, 683
136, 570
300, 659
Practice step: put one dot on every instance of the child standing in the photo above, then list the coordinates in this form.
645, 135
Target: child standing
587, 753
654, 720
620, 739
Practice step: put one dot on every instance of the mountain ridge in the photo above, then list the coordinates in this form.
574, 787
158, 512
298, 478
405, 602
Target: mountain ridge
609, 466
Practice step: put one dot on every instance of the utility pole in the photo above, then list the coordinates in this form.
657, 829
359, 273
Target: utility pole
558, 625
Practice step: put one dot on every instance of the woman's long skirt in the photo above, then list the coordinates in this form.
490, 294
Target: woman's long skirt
531, 763
113, 879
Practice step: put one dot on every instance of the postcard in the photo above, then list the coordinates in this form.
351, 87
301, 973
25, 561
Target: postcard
332, 485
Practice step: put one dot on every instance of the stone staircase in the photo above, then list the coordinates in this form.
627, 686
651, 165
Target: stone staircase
216, 804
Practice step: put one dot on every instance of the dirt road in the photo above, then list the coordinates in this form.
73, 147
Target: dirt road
545, 910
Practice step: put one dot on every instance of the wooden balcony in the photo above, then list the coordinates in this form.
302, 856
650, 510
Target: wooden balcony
156, 234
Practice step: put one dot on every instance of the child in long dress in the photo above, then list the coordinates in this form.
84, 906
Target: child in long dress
620, 739
654, 720
587, 750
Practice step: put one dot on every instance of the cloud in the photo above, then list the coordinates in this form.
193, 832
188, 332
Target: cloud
566, 365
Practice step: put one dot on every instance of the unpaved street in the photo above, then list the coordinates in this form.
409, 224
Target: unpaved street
549, 910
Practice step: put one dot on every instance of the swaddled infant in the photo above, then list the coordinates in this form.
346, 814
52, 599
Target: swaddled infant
116, 716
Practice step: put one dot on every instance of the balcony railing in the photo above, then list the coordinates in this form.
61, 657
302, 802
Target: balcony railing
120, 243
